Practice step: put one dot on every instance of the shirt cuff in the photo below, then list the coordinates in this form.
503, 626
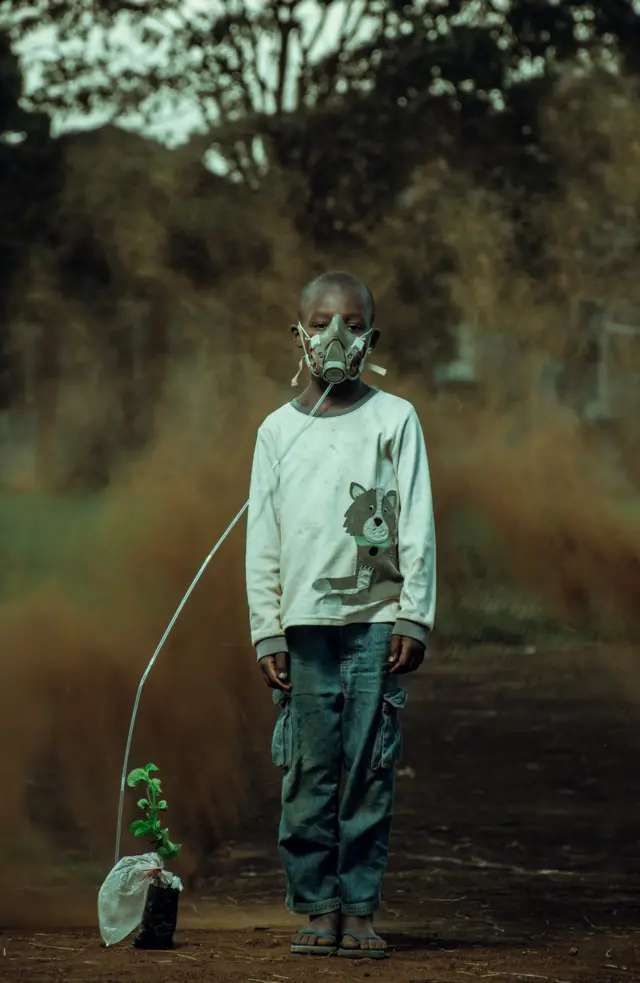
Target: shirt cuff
409, 629
271, 646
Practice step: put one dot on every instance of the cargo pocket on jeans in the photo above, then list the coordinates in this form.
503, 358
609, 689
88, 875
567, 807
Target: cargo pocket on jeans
282, 741
388, 744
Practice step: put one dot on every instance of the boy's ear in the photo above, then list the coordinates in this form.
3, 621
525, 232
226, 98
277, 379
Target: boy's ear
296, 335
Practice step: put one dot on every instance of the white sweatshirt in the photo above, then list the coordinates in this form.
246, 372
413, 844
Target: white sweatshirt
341, 530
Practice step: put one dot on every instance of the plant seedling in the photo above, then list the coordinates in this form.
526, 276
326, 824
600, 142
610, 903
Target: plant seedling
152, 805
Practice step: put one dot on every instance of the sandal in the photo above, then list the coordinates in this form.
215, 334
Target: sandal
316, 949
357, 952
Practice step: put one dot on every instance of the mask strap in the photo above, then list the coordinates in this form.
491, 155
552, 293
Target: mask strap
296, 379
305, 360
371, 365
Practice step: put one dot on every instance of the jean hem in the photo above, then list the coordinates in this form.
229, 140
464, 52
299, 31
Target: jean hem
361, 908
314, 907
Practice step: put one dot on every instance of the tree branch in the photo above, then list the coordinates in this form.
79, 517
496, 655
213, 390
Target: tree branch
306, 51
235, 21
245, 22
347, 37
286, 26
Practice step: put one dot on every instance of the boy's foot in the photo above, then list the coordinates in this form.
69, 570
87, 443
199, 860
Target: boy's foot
319, 938
359, 940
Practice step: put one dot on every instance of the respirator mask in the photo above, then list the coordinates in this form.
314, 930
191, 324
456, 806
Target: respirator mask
335, 355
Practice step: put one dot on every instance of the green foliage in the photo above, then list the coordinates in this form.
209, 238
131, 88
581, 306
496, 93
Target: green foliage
152, 805
405, 84
372, 70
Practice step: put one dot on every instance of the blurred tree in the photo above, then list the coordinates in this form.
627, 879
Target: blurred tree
29, 162
358, 88
350, 98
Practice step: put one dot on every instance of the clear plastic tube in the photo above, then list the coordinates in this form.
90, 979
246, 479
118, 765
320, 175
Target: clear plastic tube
152, 660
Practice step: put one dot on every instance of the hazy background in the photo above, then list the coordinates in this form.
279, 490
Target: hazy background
477, 164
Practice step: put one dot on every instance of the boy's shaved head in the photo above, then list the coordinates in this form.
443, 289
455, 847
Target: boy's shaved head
337, 278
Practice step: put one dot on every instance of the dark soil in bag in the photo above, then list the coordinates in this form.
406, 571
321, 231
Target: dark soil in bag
159, 918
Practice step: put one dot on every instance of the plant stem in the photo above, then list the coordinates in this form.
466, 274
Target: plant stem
153, 812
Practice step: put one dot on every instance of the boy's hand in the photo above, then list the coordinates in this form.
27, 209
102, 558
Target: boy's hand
407, 654
275, 669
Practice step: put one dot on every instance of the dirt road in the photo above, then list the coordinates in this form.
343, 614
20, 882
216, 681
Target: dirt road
515, 855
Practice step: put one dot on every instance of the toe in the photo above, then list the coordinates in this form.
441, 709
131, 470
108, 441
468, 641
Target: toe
374, 944
301, 938
348, 942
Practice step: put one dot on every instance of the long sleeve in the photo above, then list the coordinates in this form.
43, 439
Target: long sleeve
263, 576
416, 534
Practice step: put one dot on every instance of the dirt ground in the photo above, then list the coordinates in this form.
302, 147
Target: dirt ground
515, 852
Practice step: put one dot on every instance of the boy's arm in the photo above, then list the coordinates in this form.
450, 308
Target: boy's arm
263, 551
416, 535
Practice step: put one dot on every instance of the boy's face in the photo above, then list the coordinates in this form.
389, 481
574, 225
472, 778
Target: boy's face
329, 299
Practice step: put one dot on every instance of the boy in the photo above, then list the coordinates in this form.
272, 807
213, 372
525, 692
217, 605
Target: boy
341, 587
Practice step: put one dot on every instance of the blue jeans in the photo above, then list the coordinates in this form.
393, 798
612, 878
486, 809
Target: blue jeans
339, 725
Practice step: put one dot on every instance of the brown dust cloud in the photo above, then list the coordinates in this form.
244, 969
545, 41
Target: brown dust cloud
556, 495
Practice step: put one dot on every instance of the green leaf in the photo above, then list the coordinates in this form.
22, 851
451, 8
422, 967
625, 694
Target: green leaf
168, 850
154, 783
162, 804
151, 767
136, 776
143, 804
141, 827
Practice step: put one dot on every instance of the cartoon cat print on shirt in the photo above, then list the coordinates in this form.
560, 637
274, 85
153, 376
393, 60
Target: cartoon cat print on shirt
372, 521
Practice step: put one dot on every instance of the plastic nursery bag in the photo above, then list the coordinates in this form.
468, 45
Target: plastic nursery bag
122, 897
